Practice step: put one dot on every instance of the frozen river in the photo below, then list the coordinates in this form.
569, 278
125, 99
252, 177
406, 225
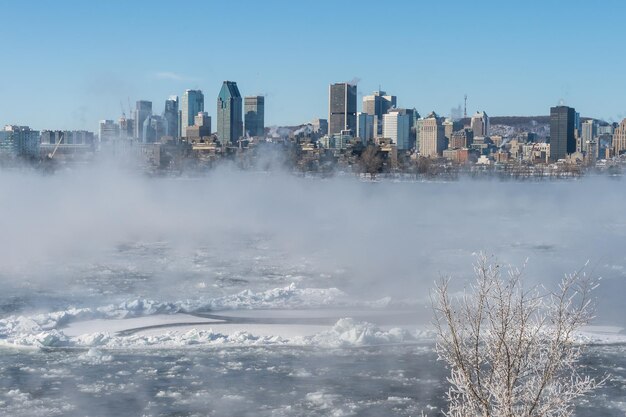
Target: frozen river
250, 381
240, 295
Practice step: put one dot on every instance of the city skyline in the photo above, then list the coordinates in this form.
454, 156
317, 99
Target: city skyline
521, 74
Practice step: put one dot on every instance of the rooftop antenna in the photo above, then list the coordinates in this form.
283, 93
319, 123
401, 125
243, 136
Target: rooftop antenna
465, 108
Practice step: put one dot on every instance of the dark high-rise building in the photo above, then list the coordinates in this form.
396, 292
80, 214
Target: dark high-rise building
254, 115
229, 119
341, 108
143, 110
170, 114
562, 138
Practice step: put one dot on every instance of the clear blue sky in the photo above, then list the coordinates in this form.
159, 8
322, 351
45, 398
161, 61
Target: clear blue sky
67, 64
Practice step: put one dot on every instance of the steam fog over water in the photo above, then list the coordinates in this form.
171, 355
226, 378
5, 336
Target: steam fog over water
95, 246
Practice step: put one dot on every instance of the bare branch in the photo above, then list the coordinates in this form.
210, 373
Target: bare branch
511, 351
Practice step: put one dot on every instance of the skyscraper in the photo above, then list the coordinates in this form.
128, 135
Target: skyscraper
432, 139
589, 134
229, 119
413, 118
365, 126
378, 104
562, 138
254, 110
191, 104
170, 114
341, 108
480, 124
143, 110
396, 126
153, 129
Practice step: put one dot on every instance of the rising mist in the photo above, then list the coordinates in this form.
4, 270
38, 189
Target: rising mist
371, 240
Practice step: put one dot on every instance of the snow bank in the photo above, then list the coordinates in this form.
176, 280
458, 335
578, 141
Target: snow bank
345, 333
97, 327
348, 332
46, 330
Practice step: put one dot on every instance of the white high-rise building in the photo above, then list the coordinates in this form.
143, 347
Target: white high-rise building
191, 104
397, 127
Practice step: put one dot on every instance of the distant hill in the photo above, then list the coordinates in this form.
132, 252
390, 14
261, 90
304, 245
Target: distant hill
519, 120
514, 121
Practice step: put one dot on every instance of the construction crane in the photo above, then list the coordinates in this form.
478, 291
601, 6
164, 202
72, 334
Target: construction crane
54, 151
